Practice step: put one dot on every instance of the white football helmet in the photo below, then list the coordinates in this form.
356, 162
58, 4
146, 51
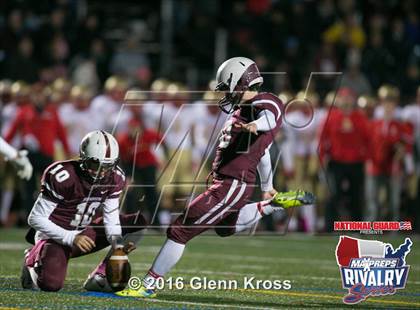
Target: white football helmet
234, 76
99, 153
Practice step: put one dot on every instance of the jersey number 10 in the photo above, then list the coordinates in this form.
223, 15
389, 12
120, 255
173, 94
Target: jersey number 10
84, 214
85, 210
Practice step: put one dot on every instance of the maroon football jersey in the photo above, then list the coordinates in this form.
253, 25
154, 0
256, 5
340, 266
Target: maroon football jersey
76, 198
239, 152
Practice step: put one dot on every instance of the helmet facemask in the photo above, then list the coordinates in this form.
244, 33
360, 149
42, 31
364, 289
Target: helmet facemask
97, 170
230, 100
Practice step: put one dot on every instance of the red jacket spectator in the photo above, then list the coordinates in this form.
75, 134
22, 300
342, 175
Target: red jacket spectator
345, 137
386, 140
144, 155
39, 129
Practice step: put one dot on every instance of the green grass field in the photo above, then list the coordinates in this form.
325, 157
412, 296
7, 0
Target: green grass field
307, 261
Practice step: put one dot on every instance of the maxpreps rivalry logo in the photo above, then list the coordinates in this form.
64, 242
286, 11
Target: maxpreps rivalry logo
371, 268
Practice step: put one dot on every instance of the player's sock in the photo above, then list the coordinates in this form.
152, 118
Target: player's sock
266, 208
100, 268
251, 213
169, 255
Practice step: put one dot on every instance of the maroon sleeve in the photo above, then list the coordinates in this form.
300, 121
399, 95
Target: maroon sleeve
266, 101
119, 184
57, 183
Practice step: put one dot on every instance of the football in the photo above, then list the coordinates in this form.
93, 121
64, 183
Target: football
118, 270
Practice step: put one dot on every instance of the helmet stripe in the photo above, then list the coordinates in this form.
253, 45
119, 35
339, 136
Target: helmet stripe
108, 148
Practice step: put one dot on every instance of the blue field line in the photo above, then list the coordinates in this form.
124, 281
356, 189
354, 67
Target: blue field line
91, 294
101, 295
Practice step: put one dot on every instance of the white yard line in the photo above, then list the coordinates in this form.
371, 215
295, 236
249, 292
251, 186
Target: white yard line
9, 246
253, 267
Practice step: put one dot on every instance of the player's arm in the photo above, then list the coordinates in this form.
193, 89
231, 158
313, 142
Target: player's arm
111, 216
266, 175
56, 187
111, 212
18, 158
39, 220
266, 120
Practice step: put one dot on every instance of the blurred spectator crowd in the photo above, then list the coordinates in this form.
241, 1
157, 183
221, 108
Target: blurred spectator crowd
351, 133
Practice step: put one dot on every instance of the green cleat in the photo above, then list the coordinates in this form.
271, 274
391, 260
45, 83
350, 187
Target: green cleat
142, 292
292, 199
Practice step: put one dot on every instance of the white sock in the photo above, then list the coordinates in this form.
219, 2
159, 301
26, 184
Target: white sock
251, 213
267, 208
169, 255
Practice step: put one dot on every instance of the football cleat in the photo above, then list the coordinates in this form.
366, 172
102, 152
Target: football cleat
28, 277
292, 199
142, 292
97, 283
25, 278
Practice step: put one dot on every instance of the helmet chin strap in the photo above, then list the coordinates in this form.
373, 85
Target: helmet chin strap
232, 101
